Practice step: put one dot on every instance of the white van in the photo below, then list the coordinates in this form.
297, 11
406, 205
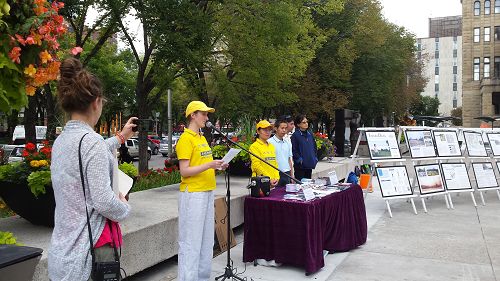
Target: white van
19, 137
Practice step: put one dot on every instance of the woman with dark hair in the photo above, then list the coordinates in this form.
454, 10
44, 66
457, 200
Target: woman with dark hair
303, 149
80, 95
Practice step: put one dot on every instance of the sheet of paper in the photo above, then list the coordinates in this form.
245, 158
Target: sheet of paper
309, 194
124, 183
333, 177
230, 155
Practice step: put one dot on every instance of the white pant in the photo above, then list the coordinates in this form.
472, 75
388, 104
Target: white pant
196, 235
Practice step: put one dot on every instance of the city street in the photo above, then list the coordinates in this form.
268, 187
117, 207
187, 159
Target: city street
157, 161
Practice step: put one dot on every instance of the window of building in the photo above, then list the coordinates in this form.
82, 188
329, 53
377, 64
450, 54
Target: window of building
436, 39
486, 67
487, 31
455, 102
455, 38
436, 70
495, 100
455, 78
455, 69
497, 67
437, 46
436, 54
436, 93
455, 53
477, 8
436, 87
476, 69
487, 6
477, 34
497, 6
454, 86
497, 33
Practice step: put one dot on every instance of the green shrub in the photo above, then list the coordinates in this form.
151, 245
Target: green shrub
129, 169
7, 238
37, 182
156, 178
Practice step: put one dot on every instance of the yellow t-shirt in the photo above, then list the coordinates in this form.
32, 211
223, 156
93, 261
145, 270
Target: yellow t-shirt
194, 147
266, 151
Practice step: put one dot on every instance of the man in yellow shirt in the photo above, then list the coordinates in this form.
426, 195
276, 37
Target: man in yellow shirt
265, 150
196, 200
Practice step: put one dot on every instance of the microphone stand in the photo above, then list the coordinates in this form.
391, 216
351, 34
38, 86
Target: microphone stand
229, 271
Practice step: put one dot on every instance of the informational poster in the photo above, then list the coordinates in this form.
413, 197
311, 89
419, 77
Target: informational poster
429, 178
475, 144
383, 145
455, 176
494, 141
420, 143
485, 176
393, 181
447, 143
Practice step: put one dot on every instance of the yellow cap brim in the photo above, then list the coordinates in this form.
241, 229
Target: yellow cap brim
206, 109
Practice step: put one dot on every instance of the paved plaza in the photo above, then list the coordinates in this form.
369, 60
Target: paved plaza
460, 244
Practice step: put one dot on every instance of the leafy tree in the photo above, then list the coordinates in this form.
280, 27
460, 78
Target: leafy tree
457, 113
425, 106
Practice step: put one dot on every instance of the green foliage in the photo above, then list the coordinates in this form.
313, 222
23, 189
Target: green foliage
457, 112
425, 106
218, 151
38, 180
14, 172
129, 169
7, 238
12, 90
156, 178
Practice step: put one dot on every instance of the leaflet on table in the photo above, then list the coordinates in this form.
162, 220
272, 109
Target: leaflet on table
230, 155
333, 177
308, 193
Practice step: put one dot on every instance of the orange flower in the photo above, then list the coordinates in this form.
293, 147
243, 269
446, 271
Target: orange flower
37, 38
15, 54
30, 70
39, 10
43, 30
20, 39
30, 90
30, 40
45, 56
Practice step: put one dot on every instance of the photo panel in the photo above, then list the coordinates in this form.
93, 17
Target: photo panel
494, 141
420, 143
455, 176
429, 178
447, 143
382, 145
394, 181
475, 144
485, 175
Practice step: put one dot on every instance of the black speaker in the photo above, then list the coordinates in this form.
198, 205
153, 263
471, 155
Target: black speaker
260, 186
340, 131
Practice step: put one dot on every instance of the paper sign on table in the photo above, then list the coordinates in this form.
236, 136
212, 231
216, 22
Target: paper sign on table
308, 194
333, 177
230, 155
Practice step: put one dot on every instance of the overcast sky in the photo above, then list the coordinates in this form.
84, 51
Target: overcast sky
414, 15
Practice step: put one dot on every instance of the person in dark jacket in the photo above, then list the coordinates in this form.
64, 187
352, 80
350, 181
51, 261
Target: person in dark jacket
303, 149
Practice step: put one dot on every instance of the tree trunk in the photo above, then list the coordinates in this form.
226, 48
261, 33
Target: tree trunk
51, 114
143, 114
30, 118
12, 121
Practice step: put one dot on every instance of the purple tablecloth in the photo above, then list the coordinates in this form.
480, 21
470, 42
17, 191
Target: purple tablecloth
295, 233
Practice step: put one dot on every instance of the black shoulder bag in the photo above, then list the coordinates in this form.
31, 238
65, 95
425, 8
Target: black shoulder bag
101, 271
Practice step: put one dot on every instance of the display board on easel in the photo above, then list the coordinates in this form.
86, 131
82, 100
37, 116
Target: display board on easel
429, 179
455, 176
494, 141
485, 175
447, 144
475, 144
420, 143
394, 181
382, 145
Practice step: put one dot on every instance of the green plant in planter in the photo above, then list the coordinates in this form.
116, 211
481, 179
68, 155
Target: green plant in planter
218, 151
323, 143
7, 238
34, 169
129, 169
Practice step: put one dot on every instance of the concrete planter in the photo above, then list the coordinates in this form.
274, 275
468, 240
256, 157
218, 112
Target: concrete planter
18, 197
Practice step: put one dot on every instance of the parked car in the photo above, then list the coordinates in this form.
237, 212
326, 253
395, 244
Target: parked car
133, 148
164, 145
16, 154
152, 145
155, 139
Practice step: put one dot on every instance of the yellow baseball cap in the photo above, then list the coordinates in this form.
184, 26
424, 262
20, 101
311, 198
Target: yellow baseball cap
198, 106
263, 124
